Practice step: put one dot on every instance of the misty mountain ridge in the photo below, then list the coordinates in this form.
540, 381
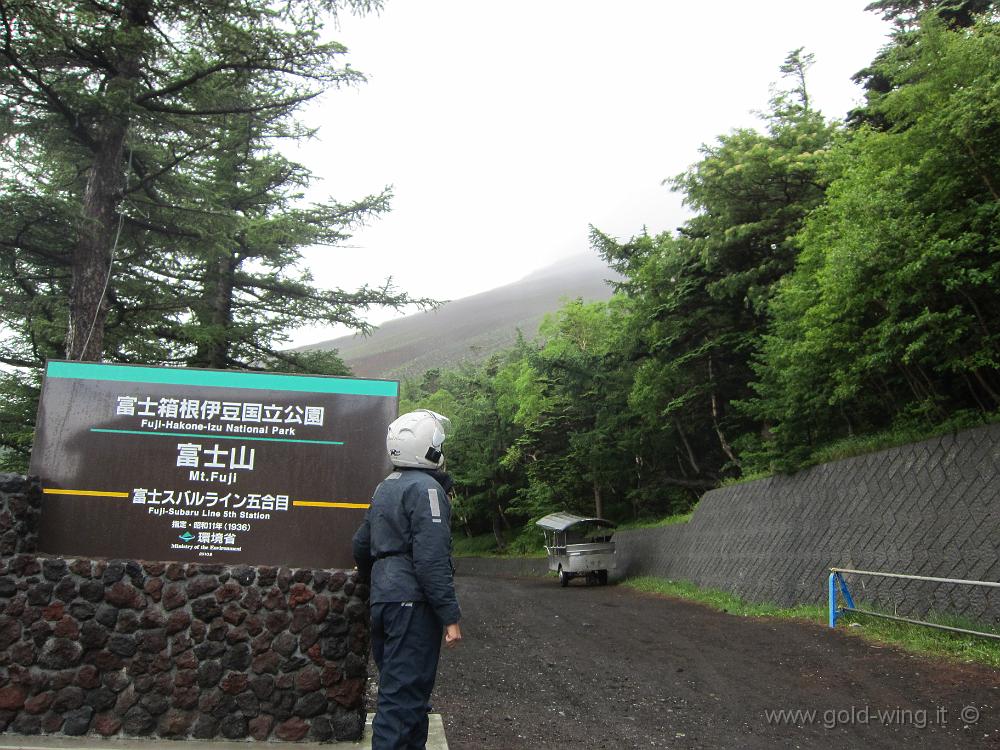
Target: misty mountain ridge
471, 328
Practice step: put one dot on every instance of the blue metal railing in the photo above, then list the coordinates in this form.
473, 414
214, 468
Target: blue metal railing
836, 582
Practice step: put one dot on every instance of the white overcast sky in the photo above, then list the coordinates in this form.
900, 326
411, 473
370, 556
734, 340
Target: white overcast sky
505, 129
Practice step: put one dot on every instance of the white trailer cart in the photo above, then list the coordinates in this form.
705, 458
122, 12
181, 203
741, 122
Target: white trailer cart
579, 546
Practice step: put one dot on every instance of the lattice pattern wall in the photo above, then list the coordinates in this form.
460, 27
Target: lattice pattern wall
928, 508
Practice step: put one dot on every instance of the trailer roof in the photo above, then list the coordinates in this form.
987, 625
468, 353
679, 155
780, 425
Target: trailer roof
562, 521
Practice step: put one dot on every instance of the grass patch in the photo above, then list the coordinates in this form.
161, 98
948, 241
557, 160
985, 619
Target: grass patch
860, 445
904, 435
482, 545
751, 476
924, 640
723, 600
913, 638
485, 545
656, 522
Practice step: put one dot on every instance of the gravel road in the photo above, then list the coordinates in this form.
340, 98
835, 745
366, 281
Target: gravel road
607, 667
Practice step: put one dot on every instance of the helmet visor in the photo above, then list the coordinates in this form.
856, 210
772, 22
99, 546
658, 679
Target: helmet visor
441, 430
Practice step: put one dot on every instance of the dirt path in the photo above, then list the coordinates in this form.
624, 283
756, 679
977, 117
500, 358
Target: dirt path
606, 667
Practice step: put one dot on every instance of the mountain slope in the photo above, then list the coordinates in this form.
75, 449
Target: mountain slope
472, 327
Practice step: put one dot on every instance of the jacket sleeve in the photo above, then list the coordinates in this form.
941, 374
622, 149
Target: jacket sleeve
362, 543
430, 523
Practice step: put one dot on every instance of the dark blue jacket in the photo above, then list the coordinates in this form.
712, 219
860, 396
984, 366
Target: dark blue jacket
404, 543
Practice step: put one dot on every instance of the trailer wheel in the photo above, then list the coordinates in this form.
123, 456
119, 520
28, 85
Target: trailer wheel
602, 577
563, 577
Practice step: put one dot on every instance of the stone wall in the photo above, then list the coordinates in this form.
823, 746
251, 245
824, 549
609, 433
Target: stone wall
20, 512
125, 648
931, 508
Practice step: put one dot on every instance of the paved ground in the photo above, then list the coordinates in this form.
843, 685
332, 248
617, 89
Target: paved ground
435, 741
606, 667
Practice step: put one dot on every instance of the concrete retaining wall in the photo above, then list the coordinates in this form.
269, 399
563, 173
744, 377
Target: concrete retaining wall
931, 508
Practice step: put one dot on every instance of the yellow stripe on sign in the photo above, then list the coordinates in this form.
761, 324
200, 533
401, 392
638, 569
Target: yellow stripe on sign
88, 493
321, 504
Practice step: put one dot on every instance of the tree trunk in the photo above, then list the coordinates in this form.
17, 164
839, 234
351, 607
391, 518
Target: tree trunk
218, 298
96, 234
687, 446
498, 531
986, 386
88, 305
723, 443
598, 501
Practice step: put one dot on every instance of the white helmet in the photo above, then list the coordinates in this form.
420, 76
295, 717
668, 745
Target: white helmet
414, 439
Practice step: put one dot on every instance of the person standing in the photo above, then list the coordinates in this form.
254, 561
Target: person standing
403, 547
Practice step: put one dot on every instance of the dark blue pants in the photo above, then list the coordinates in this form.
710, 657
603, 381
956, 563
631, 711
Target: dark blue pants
406, 643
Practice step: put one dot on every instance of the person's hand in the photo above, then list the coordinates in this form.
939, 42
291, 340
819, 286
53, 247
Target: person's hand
452, 634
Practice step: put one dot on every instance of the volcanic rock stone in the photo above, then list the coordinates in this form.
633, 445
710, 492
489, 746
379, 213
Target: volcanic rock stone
200, 585
11, 697
82, 610
68, 699
78, 722
138, 722
10, 631
347, 724
54, 569
260, 727
209, 674
173, 597
27, 724
310, 704
106, 615
60, 653
154, 703
237, 657
205, 609
262, 686
40, 703
174, 723
92, 591
292, 730
233, 727
205, 727
128, 621
100, 699
113, 572
107, 724
234, 682
122, 644
321, 729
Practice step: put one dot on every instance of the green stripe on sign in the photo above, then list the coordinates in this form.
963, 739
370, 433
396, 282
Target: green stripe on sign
216, 436
262, 381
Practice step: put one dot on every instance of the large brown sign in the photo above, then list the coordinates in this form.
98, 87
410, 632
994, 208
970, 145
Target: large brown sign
158, 463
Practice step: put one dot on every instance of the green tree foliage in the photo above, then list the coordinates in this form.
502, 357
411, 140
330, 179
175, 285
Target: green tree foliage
905, 14
148, 215
482, 433
832, 282
569, 398
878, 78
112, 102
891, 312
700, 299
